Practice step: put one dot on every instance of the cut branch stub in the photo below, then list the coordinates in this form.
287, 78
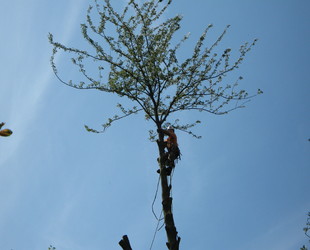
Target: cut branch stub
124, 243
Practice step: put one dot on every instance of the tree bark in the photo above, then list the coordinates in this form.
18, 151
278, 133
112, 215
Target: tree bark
171, 231
172, 234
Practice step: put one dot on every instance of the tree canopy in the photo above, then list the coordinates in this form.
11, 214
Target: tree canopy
137, 46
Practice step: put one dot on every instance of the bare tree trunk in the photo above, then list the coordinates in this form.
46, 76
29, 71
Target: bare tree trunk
172, 234
171, 231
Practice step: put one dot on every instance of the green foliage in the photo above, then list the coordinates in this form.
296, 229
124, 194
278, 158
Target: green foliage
144, 66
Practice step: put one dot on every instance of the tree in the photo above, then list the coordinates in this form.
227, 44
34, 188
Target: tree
143, 66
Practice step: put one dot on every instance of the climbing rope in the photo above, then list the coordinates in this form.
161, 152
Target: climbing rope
160, 218
156, 192
156, 229
157, 218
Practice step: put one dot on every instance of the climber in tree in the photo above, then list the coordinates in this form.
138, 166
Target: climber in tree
5, 132
171, 143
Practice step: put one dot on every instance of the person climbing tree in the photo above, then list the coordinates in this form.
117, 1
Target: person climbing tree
5, 132
173, 151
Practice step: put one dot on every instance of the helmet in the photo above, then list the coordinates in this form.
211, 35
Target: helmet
170, 127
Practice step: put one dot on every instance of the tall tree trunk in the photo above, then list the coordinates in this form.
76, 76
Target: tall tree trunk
171, 231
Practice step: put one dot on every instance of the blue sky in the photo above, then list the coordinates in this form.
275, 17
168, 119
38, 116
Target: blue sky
244, 185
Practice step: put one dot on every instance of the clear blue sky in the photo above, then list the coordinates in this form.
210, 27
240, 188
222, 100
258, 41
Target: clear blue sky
244, 185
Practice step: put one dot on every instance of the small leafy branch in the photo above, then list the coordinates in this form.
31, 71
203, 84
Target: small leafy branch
307, 230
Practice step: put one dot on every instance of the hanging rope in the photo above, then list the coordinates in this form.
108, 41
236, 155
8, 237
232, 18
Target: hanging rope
171, 197
157, 218
156, 192
156, 229
160, 218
